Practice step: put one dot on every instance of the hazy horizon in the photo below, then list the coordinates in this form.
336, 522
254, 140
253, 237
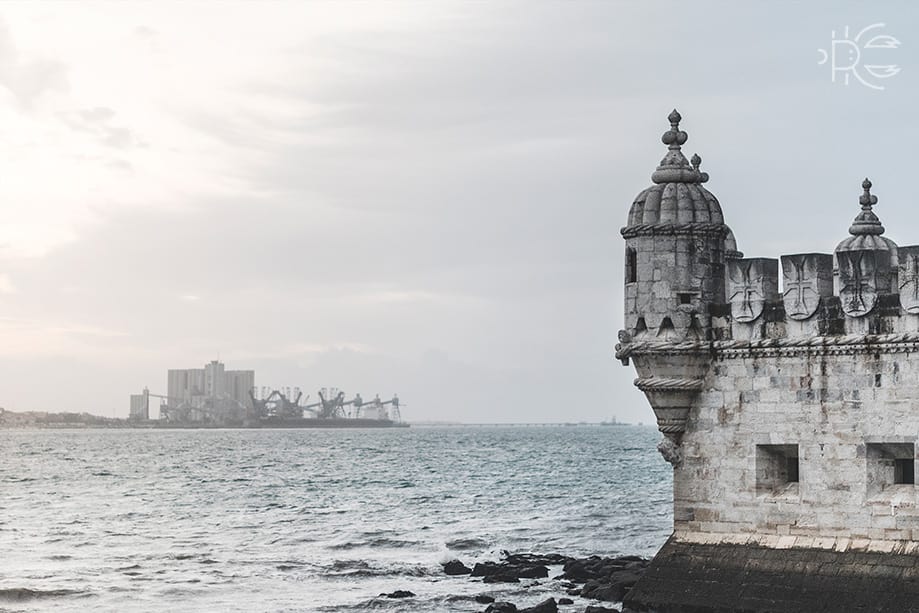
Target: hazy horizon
412, 198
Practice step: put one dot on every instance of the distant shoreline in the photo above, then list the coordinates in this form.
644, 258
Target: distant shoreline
142, 426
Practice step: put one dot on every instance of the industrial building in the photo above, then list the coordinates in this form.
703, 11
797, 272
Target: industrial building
140, 406
196, 386
211, 394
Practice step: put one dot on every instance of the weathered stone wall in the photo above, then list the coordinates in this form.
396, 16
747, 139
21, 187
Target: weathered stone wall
837, 405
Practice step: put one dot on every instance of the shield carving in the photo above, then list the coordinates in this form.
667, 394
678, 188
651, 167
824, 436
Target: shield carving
908, 279
752, 282
858, 280
807, 277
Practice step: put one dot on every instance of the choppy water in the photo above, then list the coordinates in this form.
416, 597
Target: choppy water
310, 520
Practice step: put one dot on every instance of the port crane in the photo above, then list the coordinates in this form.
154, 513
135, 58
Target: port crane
277, 404
331, 405
357, 402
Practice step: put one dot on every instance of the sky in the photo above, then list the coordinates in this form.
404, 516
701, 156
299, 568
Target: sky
421, 198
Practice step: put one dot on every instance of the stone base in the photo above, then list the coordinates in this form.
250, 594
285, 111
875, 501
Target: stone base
704, 578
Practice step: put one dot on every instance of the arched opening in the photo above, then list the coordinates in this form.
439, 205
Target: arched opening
641, 328
666, 329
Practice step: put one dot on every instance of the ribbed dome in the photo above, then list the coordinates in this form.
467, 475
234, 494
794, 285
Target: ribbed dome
677, 195
730, 246
866, 230
675, 203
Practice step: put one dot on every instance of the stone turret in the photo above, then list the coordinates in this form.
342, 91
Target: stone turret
676, 245
676, 241
866, 262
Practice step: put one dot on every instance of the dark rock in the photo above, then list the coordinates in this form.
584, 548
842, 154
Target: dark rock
546, 606
501, 607
502, 572
600, 590
565, 601
502, 576
611, 589
606, 591
531, 572
536, 559
601, 569
398, 594
455, 567
483, 569
575, 591
596, 609
484, 599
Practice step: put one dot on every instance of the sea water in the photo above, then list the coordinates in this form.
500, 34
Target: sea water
314, 520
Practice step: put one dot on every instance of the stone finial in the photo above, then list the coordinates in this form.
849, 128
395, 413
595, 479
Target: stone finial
675, 168
696, 162
866, 222
674, 137
867, 200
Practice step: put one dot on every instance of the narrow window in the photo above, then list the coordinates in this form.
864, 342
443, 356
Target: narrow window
791, 469
631, 265
877, 380
685, 298
904, 471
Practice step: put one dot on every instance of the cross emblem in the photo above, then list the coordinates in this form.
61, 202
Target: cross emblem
747, 288
799, 284
857, 284
909, 275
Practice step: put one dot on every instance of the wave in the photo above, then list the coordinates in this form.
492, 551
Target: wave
467, 543
20, 594
360, 568
377, 542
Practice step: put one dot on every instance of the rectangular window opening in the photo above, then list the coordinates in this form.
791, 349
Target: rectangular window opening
777, 469
685, 298
889, 464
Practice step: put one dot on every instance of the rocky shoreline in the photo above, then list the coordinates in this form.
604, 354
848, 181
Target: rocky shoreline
606, 580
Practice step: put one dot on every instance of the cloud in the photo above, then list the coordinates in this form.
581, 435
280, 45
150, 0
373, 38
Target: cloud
28, 78
145, 32
97, 121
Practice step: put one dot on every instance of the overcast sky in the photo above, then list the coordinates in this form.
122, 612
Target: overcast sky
422, 198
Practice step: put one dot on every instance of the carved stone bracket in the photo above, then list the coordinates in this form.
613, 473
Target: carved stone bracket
671, 398
671, 374
671, 451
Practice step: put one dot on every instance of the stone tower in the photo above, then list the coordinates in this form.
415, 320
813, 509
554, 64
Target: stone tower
676, 243
790, 415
